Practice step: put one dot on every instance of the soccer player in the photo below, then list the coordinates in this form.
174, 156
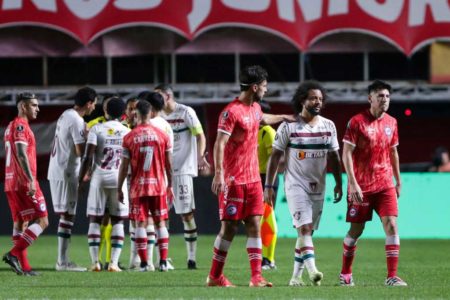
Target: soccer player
269, 229
236, 180
370, 159
188, 157
308, 145
22, 189
148, 150
104, 148
63, 170
129, 117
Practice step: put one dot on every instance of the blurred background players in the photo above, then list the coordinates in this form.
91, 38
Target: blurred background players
269, 229
371, 159
188, 157
237, 181
104, 148
441, 161
148, 150
25, 197
63, 170
309, 145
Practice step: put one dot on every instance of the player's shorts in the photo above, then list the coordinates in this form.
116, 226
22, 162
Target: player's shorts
183, 189
140, 207
64, 196
27, 208
100, 198
384, 203
304, 208
239, 202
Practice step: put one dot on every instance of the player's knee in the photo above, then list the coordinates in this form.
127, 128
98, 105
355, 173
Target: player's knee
391, 227
306, 229
187, 217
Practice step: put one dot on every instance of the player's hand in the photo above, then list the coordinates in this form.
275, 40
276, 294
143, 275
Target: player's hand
31, 188
269, 196
398, 189
203, 165
120, 196
356, 195
218, 184
337, 193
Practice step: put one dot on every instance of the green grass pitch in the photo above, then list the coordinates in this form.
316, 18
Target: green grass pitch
424, 265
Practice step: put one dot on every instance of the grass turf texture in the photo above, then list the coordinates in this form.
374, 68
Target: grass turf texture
424, 265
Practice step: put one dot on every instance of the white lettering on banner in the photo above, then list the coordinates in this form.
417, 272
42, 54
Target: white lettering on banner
337, 7
86, 9
417, 10
137, 4
47, 5
311, 10
200, 11
388, 11
248, 5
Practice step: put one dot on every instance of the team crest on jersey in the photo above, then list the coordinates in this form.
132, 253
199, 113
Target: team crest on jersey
388, 131
19, 128
42, 207
231, 209
353, 212
82, 133
257, 115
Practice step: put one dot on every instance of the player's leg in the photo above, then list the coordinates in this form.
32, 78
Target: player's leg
190, 237
159, 210
140, 211
134, 257
349, 250
151, 241
94, 242
95, 209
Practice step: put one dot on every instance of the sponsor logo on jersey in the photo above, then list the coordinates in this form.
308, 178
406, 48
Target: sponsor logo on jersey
371, 130
297, 215
353, 212
225, 115
318, 154
388, 131
231, 209
246, 119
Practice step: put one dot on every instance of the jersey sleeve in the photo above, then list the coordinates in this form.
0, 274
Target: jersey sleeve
227, 121
351, 132
169, 143
334, 140
193, 122
281, 140
92, 136
394, 140
20, 134
77, 131
126, 146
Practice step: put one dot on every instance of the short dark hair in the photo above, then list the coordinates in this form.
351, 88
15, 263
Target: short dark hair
143, 107
85, 95
250, 75
155, 99
25, 96
378, 85
115, 107
132, 99
165, 87
302, 91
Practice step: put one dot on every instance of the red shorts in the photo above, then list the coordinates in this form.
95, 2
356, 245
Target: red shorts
26, 208
241, 201
140, 207
384, 203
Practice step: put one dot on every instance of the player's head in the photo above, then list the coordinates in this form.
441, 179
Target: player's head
155, 99
105, 103
166, 91
86, 97
440, 156
143, 109
379, 95
115, 107
130, 111
253, 80
310, 96
27, 105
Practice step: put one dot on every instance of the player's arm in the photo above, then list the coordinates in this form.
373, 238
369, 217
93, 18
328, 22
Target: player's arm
25, 165
269, 119
347, 159
271, 173
218, 183
395, 163
201, 155
123, 172
86, 163
79, 149
169, 174
334, 161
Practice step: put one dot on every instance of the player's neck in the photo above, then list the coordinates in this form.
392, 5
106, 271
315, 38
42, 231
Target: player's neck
309, 118
376, 113
170, 107
80, 110
23, 116
246, 98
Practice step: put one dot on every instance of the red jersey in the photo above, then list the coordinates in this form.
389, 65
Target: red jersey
18, 131
373, 139
146, 148
241, 122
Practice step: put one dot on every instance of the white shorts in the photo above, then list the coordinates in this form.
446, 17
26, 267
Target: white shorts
304, 208
183, 189
100, 198
64, 196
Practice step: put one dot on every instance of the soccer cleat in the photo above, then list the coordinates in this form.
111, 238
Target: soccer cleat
296, 282
96, 267
395, 281
346, 280
69, 267
170, 264
114, 268
31, 273
135, 260
316, 278
163, 266
266, 264
259, 281
13, 261
221, 281
106, 266
191, 265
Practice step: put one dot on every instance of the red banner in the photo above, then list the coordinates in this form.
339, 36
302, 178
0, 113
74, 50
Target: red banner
407, 24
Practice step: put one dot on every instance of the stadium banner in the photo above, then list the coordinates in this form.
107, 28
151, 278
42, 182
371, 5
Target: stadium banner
440, 63
423, 208
406, 24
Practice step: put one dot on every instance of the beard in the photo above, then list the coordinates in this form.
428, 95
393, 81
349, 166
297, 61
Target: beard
313, 111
